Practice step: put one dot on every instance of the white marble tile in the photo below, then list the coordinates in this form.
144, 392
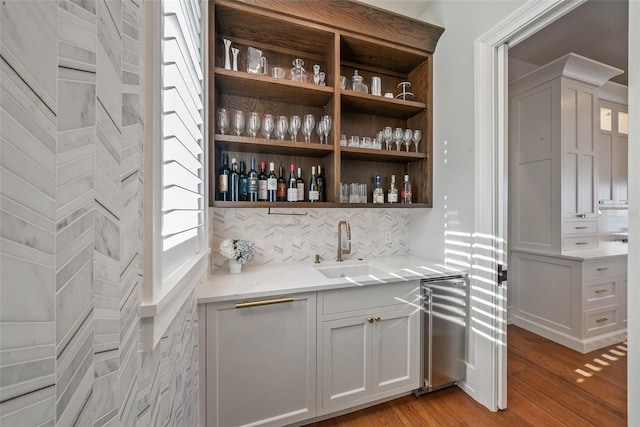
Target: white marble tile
22, 232
73, 300
70, 196
26, 354
70, 405
75, 169
77, 260
83, 9
108, 270
74, 30
107, 235
18, 250
77, 105
74, 230
82, 355
25, 281
31, 409
15, 135
29, 45
25, 377
73, 141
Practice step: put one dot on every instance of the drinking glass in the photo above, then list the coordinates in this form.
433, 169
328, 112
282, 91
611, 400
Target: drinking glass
397, 137
406, 138
282, 124
387, 135
294, 126
417, 136
223, 120
238, 122
327, 127
307, 126
267, 125
254, 124
320, 129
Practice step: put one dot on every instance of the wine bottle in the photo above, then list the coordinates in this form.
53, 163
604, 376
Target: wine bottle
244, 182
313, 186
300, 186
252, 186
405, 194
321, 190
234, 181
392, 196
378, 193
272, 183
281, 187
292, 188
223, 179
262, 183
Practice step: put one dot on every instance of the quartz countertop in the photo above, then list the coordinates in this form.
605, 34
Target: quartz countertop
604, 250
264, 280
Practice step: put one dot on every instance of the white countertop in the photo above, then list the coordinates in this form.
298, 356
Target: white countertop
258, 280
604, 250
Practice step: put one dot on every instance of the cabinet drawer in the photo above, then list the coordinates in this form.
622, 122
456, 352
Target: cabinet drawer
601, 293
580, 227
580, 242
368, 297
601, 320
608, 268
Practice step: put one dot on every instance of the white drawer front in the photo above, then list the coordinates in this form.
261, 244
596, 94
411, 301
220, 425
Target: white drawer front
601, 293
601, 320
580, 227
607, 268
579, 242
368, 297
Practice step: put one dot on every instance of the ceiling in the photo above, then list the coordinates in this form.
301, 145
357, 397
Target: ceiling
598, 29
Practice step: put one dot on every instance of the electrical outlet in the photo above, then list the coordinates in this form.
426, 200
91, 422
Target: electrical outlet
387, 237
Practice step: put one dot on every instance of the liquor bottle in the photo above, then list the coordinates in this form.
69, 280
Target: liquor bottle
392, 196
272, 183
300, 185
321, 190
223, 179
405, 194
281, 187
252, 185
234, 181
313, 186
243, 189
262, 183
292, 188
378, 192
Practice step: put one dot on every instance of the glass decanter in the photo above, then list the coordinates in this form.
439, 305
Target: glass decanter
357, 84
298, 72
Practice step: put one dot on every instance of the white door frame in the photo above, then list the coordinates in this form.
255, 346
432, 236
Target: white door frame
491, 91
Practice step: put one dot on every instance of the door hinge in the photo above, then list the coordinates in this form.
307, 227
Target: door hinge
502, 274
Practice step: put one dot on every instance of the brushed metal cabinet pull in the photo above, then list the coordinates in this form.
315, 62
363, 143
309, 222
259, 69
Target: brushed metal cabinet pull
247, 304
370, 320
581, 228
602, 319
582, 243
581, 215
599, 291
602, 268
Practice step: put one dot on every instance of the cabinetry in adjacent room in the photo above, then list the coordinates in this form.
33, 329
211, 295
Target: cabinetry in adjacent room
554, 122
340, 37
368, 344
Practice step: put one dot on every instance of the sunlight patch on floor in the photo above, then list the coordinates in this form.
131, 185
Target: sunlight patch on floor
613, 355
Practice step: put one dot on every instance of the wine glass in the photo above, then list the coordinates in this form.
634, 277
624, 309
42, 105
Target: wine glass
294, 126
267, 125
397, 137
320, 129
417, 136
223, 120
254, 124
326, 128
406, 138
387, 135
307, 126
282, 124
238, 122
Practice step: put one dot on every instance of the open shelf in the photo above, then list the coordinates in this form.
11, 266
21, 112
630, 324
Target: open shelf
246, 144
308, 205
379, 105
381, 155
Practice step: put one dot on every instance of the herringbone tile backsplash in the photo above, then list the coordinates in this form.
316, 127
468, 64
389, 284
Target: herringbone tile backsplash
297, 238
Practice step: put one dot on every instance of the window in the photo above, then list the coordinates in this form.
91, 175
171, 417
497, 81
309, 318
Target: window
175, 251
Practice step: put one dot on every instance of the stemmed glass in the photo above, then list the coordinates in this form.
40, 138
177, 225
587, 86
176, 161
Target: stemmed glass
417, 136
267, 125
238, 122
223, 120
397, 137
387, 135
254, 124
320, 129
307, 126
326, 128
282, 124
294, 126
406, 138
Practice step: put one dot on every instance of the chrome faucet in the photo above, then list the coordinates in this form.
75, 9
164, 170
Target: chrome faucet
340, 250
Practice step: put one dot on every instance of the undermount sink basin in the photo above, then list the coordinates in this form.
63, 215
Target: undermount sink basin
350, 269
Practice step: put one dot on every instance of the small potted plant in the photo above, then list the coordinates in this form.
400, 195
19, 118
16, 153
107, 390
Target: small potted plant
238, 251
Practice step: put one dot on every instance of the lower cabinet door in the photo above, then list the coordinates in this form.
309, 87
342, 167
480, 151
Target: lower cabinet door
261, 362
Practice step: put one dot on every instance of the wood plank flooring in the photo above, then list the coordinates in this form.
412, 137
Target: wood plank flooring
547, 385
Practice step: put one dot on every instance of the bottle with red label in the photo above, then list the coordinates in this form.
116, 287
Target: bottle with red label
405, 192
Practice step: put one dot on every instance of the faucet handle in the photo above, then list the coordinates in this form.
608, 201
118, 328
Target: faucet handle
318, 259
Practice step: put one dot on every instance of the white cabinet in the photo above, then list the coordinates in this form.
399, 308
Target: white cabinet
260, 361
612, 155
368, 344
554, 121
580, 304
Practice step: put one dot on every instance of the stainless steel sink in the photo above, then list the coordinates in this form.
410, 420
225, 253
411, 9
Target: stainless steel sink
350, 269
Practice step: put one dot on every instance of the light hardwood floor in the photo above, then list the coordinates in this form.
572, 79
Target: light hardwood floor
548, 385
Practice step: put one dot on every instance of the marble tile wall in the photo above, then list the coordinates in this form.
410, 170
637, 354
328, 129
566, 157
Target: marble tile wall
70, 225
297, 238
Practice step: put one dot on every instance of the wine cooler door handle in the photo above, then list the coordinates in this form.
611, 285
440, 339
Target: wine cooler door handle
429, 337
247, 304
